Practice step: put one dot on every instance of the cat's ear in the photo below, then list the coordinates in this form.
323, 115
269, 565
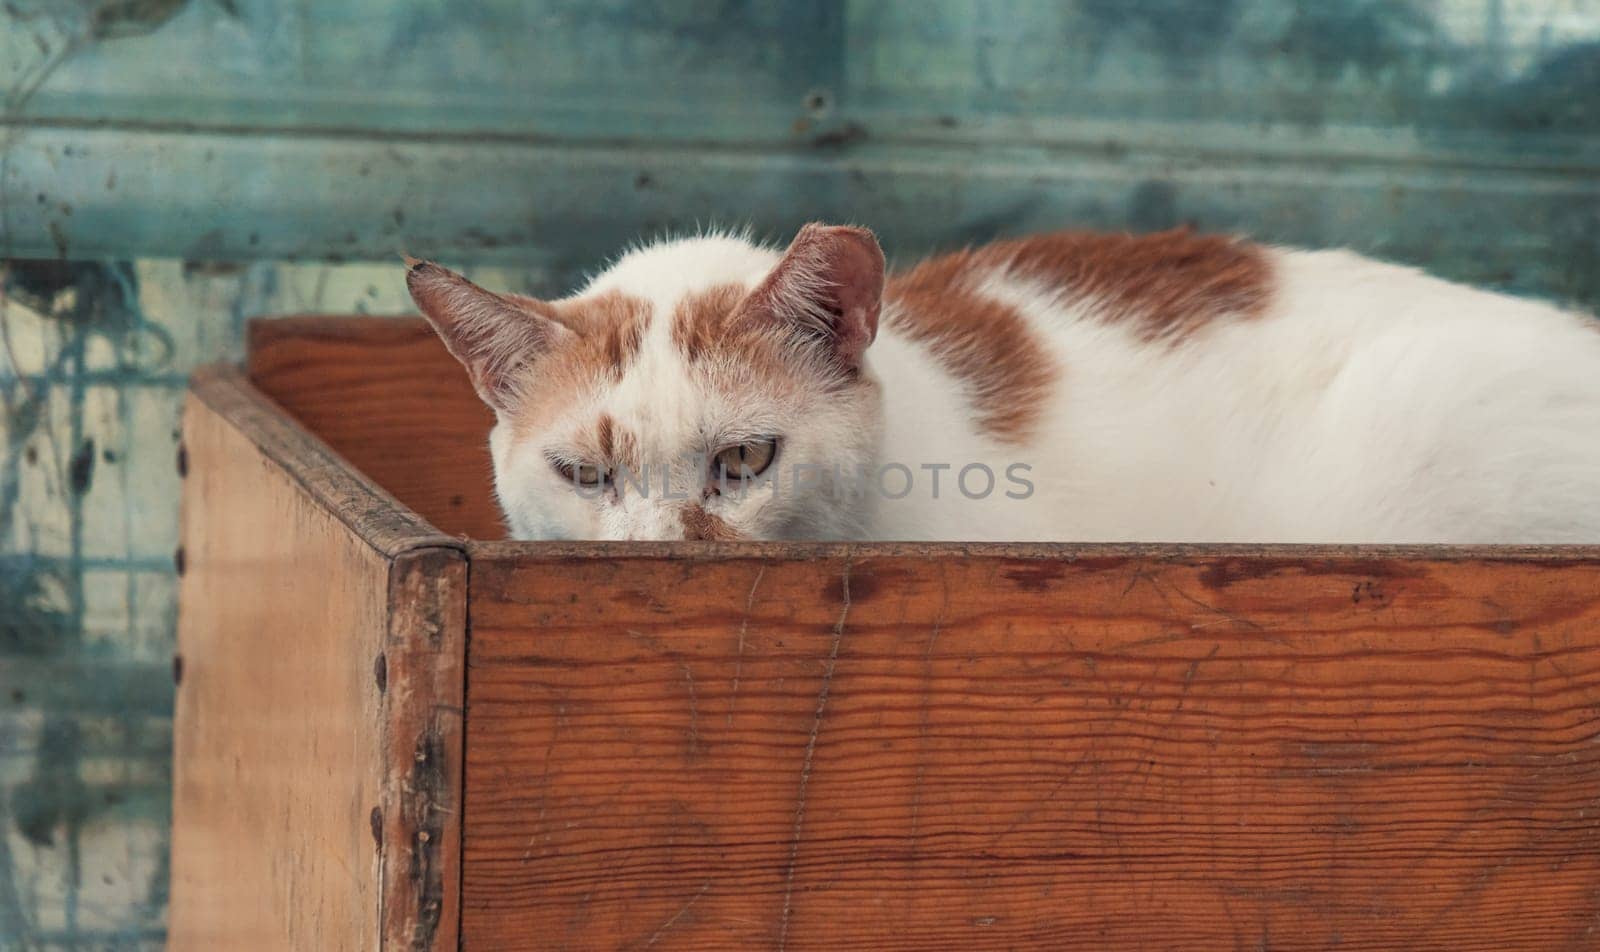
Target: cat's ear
495, 338
829, 287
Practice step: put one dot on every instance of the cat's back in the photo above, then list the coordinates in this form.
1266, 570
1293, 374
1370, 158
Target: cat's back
1302, 395
1003, 322
1180, 300
1162, 285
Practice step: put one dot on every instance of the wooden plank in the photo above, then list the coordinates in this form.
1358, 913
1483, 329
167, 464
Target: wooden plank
282, 611
424, 665
1284, 749
387, 396
317, 729
366, 508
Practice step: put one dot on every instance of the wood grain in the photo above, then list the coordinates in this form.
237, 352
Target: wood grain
317, 735
1103, 752
275, 770
387, 396
344, 492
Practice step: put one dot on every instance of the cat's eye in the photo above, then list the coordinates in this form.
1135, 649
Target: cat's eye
744, 460
584, 474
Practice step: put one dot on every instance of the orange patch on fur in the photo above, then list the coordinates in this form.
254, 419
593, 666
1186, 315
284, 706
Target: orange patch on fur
702, 526
983, 343
702, 320
717, 330
611, 445
1169, 284
625, 452
610, 330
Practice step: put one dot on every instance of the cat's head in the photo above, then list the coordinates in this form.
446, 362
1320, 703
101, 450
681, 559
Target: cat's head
631, 409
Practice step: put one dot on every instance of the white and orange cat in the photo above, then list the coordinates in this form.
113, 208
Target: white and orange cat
1171, 387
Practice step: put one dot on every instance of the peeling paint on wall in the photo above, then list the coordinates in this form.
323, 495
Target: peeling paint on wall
93, 361
142, 222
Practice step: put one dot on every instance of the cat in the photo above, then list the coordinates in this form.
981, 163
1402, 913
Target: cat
1168, 387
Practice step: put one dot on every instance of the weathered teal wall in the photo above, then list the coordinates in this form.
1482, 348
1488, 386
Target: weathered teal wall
169, 167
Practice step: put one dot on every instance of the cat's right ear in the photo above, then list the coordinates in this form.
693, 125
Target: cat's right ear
829, 288
495, 339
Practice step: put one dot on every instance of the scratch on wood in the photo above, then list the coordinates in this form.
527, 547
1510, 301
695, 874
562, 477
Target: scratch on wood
1045, 801
1135, 578
694, 709
922, 727
1238, 620
811, 749
927, 699
656, 645
665, 926
544, 782
744, 628
1141, 575
1166, 639
1188, 676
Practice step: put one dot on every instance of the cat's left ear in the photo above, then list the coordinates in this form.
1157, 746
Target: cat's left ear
498, 338
829, 288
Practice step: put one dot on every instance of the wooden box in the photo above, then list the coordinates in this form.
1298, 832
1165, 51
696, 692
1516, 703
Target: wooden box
395, 731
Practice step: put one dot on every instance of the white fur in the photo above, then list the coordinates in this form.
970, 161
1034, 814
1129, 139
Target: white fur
1372, 403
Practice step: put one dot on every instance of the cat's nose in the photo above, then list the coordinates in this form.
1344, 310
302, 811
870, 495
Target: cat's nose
655, 524
644, 536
